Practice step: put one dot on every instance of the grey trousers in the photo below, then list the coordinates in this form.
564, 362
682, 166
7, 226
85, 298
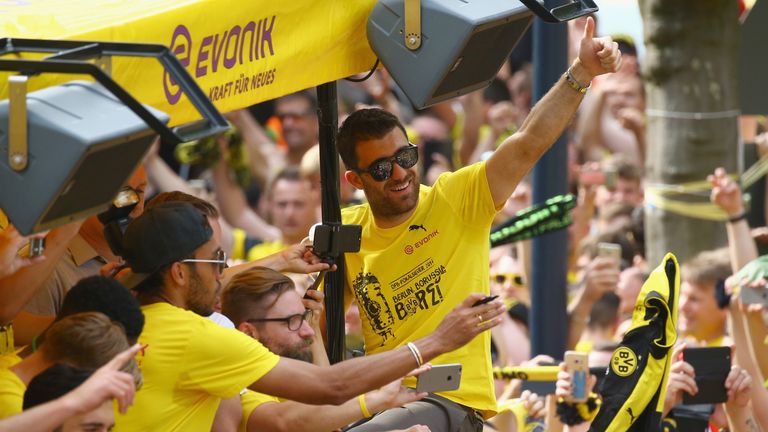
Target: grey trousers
437, 412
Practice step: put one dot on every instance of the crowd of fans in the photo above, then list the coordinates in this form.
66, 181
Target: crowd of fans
212, 277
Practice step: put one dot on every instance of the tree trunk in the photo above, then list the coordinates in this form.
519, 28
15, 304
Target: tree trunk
690, 67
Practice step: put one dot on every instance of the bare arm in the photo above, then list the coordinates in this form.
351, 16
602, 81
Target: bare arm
292, 416
547, 120
473, 119
17, 289
234, 208
106, 383
264, 156
727, 195
346, 379
744, 351
601, 276
740, 417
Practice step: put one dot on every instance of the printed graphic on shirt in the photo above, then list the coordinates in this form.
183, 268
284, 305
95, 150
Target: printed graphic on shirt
416, 290
369, 296
411, 248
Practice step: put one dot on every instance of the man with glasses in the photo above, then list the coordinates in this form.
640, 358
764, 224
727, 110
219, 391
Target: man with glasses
190, 364
427, 247
265, 305
298, 119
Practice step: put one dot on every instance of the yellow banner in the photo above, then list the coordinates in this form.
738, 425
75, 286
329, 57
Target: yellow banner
239, 52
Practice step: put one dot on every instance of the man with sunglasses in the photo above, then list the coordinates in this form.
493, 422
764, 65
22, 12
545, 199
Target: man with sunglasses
191, 364
424, 248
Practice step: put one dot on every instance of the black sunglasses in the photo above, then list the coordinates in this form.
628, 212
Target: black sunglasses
381, 169
293, 321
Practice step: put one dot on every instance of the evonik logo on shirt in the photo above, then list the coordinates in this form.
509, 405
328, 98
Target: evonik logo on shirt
410, 248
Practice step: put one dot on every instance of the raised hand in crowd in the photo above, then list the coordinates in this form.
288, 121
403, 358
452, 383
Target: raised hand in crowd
108, 382
725, 193
682, 378
11, 241
601, 276
314, 301
738, 385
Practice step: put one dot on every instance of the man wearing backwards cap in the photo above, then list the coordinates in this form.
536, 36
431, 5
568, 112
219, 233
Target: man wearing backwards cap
190, 364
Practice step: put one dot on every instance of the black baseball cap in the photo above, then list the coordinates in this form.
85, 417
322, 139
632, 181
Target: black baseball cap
163, 234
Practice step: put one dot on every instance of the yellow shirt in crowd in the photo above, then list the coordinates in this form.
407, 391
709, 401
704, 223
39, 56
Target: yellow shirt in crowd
190, 364
407, 278
249, 401
11, 393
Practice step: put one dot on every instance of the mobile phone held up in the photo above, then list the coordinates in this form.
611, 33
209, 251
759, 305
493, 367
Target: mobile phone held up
445, 377
712, 365
610, 250
579, 370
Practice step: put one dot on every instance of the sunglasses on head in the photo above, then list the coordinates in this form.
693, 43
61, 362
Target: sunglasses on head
381, 169
501, 278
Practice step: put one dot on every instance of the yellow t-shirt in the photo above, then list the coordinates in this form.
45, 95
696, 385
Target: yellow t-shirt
407, 278
189, 365
249, 401
6, 340
263, 250
11, 393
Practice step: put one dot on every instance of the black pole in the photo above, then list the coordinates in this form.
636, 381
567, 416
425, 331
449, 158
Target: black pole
328, 118
549, 322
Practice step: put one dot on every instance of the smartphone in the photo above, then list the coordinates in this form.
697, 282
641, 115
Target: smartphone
579, 369
36, 246
485, 300
712, 365
751, 295
609, 250
440, 378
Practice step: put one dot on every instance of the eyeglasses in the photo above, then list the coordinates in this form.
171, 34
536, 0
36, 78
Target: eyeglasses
501, 278
293, 321
381, 169
220, 261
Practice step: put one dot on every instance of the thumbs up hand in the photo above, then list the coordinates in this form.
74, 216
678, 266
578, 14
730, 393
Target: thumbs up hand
598, 55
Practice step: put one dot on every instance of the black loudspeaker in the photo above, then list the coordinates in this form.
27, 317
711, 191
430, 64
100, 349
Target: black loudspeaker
83, 146
463, 43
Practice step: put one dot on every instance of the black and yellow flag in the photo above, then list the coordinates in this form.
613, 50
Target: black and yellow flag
634, 386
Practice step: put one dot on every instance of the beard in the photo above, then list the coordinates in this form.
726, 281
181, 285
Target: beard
300, 351
199, 299
385, 206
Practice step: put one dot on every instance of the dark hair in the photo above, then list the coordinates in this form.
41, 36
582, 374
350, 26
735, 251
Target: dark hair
362, 125
245, 295
605, 311
53, 383
108, 296
307, 95
496, 92
202, 205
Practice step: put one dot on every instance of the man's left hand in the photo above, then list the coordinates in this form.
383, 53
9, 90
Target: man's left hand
597, 55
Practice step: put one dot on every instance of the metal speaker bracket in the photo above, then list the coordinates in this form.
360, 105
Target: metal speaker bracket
562, 13
412, 17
